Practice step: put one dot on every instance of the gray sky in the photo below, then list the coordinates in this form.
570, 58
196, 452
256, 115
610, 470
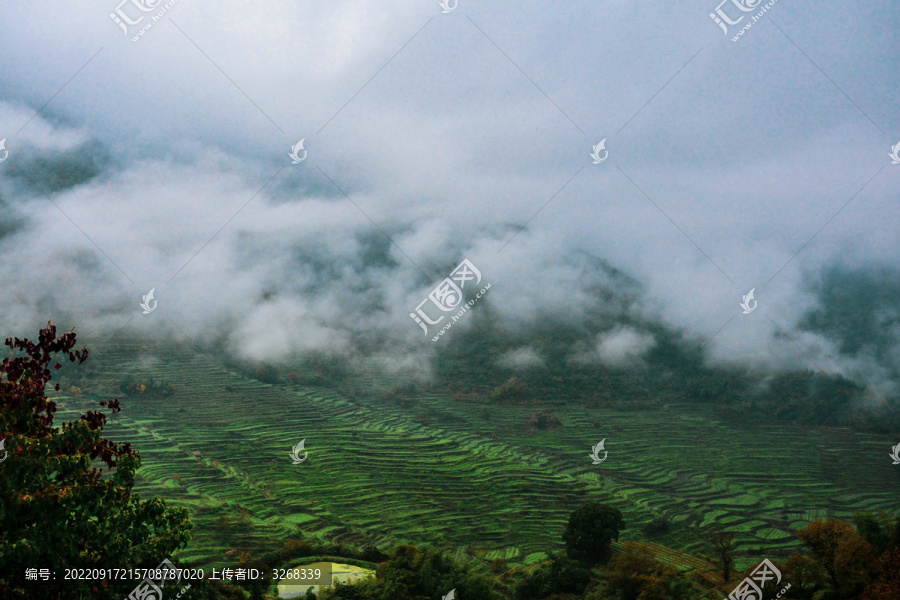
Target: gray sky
731, 165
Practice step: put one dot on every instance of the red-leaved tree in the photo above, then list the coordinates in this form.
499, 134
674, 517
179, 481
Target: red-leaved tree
66, 499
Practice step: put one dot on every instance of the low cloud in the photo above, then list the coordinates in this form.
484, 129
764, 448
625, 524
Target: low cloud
521, 358
123, 182
623, 345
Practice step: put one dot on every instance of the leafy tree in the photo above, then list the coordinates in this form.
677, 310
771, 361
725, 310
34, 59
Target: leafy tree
881, 530
590, 531
723, 543
559, 576
635, 574
857, 563
257, 588
887, 586
805, 575
66, 497
845, 556
823, 537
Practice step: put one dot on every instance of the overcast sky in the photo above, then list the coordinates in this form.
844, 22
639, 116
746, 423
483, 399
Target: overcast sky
434, 137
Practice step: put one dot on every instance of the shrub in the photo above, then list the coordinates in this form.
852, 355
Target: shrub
511, 391
265, 373
543, 420
373, 554
658, 526
296, 549
498, 565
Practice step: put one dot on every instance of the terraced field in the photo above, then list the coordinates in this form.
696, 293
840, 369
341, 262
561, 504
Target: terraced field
474, 480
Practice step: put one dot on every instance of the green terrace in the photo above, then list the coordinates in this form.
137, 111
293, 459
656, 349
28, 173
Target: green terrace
463, 475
